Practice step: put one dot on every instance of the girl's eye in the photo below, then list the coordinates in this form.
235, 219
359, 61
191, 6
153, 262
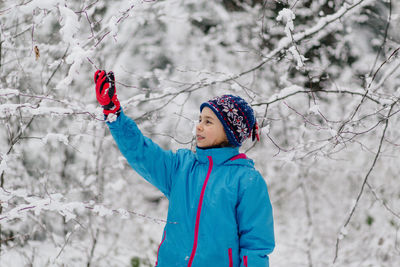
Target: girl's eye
206, 121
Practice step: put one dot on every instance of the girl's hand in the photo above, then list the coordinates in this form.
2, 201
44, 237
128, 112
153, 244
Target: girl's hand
106, 92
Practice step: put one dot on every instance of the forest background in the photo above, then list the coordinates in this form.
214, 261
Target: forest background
323, 77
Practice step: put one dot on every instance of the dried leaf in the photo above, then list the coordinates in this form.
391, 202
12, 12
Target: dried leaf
37, 53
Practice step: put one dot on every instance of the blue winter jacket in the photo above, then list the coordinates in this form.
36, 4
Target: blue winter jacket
218, 201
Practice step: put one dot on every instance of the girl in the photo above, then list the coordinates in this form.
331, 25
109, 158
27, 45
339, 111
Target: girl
217, 198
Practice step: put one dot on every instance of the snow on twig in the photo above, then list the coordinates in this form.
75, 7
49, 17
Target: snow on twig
34, 109
389, 19
286, 15
54, 202
365, 181
283, 44
294, 90
320, 25
383, 202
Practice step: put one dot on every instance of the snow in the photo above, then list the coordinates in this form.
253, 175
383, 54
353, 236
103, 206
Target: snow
57, 137
124, 214
3, 164
64, 178
314, 109
7, 92
10, 109
287, 16
117, 184
292, 89
70, 24
102, 211
113, 25
299, 58
4, 197
75, 59
41, 4
50, 110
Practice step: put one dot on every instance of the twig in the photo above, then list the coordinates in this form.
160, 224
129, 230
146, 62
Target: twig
65, 244
396, 243
313, 92
93, 247
384, 38
12, 238
304, 117
277, 146
309, 238
284, 43
364, 182
383, 63
174, 138
383, 202
115, 211
58, 66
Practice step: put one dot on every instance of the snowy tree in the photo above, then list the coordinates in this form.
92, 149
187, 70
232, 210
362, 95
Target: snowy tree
323, 77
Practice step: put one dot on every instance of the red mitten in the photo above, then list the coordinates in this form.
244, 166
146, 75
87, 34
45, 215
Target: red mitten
106, 92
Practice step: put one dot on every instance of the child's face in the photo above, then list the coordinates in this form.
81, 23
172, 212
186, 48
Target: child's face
209, 130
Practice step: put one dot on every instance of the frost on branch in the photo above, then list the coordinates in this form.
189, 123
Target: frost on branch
3, 163
285, 92
298, 58
70, 25
102, 211
37, 205
321, 125
287, 16
41, 4
57, 137
76, 58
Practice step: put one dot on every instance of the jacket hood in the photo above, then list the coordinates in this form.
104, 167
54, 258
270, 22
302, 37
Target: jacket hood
225, 155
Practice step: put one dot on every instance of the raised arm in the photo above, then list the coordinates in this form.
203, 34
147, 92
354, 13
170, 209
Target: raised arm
152, 162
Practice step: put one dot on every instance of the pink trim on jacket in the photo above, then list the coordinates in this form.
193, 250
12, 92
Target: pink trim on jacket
239, 156
245, 261
230, 257
196, 228
158, 250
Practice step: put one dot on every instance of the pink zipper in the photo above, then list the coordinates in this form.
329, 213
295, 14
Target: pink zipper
158, 250
245, 261
196, 228
230, 257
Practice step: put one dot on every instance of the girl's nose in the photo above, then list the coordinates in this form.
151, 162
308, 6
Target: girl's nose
199, 127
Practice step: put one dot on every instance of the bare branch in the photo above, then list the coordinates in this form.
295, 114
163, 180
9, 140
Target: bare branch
309, 237
284, 44
383, 63
347, 221
384, 38
383, 202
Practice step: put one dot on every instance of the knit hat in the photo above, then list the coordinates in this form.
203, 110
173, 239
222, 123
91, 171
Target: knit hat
236, 116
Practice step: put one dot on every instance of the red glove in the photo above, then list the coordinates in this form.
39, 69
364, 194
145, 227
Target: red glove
105, 91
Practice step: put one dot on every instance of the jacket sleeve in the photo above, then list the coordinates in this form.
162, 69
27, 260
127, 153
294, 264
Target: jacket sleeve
153, 163
255, 222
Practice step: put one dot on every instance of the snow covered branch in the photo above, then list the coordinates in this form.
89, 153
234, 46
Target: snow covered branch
55, 203
365, 181
285, 42
320, 75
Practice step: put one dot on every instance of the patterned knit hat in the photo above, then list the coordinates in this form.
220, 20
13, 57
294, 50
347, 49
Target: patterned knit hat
236, 116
